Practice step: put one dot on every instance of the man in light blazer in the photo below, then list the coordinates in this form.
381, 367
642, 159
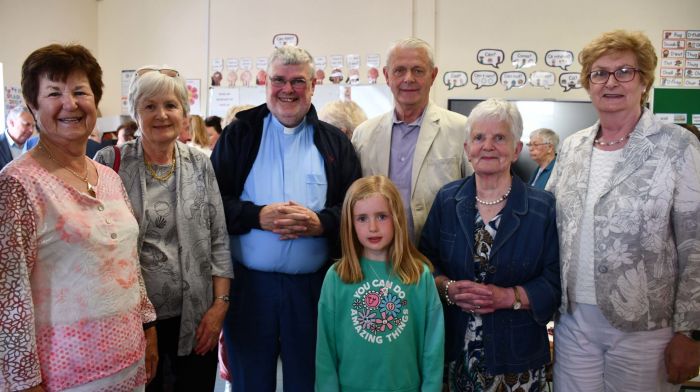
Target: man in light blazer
418, 145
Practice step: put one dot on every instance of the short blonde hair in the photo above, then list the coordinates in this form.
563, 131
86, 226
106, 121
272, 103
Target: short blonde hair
232, 111
405, 260
346, 115
620, 41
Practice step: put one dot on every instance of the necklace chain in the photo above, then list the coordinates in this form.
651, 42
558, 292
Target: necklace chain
600, 141
155, 175
90, 187
494, 202
384, 290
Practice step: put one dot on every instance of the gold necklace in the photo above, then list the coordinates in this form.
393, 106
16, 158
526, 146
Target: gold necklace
155, 175
90, 187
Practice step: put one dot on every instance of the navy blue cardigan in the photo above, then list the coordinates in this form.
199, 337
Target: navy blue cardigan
525, 252
235, 153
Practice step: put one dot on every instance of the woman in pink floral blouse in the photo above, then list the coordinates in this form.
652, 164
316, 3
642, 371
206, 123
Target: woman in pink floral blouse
73, 306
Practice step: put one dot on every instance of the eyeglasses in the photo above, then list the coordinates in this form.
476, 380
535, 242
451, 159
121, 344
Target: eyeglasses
165, 71
297, 83
622, 75
536, 144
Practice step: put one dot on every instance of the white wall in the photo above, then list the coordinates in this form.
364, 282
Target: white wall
187, 34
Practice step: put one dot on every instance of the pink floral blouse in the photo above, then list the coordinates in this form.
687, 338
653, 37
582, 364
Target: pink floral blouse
72, 299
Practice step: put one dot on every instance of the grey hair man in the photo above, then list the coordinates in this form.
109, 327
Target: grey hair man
20, 127
418, 145
283, 175
543, 150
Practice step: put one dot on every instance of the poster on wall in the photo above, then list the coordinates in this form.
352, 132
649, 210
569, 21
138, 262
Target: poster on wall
13, 97
453, 79
194, 88
680, 58
127, 75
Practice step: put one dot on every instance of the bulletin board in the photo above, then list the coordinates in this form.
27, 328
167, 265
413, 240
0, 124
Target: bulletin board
678, 101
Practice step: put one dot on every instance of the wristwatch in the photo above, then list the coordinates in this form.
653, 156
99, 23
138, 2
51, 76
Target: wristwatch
517, 304
695, 334
224, 298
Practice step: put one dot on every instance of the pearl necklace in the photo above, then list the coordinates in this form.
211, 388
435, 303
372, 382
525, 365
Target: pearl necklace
600, 141
494, 202
90, 187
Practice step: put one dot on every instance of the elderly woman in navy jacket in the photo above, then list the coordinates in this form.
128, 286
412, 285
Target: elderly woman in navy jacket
493, 241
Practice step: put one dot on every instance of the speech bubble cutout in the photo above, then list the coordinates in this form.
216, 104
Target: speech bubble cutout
454, 79
523, 59
569, 80
513, 79
542, 79
484, 78
492, 57
559, 58
280, 40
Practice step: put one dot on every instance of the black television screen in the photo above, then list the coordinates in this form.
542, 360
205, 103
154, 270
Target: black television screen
563, 117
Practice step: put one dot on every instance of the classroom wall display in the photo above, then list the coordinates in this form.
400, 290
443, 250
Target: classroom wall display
676, 105
127, 75
194, 96
680, 58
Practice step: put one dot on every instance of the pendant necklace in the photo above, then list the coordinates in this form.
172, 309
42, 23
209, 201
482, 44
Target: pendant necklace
384, 290
90, 187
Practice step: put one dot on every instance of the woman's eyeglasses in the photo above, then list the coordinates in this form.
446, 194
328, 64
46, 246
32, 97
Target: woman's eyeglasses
165, 71
623, 75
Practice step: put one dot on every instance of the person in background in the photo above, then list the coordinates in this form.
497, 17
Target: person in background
183, 246
418, 145
213, 126
283, 175
20, 127
74, 314
385, 283
493, 242
543, 150
628, 207
233, 111
346, 115
198, 134
94, 143
126, 132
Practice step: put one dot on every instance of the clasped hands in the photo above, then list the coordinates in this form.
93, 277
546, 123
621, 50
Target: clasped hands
479, 298
290, 220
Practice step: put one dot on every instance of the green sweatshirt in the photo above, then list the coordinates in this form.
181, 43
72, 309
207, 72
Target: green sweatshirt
379, 334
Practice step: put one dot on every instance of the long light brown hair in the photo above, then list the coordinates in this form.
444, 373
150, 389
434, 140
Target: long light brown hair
405, 260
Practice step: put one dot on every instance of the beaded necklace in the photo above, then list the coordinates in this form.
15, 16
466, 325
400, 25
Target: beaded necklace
494, 202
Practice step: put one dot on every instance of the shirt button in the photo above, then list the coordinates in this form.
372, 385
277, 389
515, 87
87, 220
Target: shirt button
602, 269
114, 236
100, 208
108, 221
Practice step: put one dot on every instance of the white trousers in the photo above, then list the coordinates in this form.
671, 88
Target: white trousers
590, 355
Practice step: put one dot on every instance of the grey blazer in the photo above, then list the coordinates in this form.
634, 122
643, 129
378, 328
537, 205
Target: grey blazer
201, 227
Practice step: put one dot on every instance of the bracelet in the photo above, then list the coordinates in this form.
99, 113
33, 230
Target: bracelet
447, 292
224, 298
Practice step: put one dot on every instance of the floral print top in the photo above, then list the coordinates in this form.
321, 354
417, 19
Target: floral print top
646, 226
72, 299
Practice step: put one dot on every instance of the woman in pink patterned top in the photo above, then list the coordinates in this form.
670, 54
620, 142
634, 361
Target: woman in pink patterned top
73, 306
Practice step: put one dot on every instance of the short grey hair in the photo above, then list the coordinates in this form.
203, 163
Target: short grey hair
16, 111
411, 43
497, 109
547, 135
291, 55
154, 83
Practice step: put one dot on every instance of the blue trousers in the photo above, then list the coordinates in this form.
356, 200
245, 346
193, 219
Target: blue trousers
272, 315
